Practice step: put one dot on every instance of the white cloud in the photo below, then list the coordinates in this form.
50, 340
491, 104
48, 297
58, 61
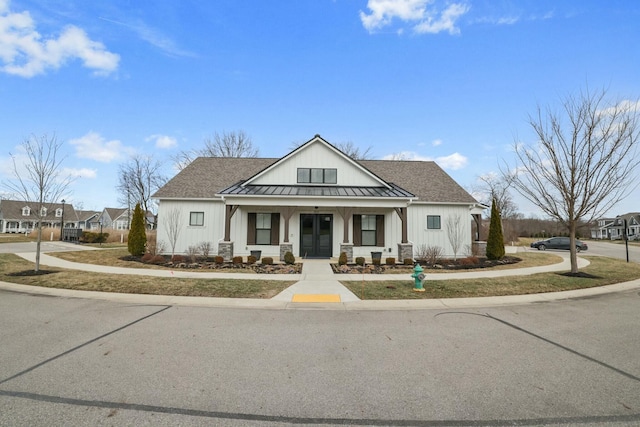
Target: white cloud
424, 17
162, 141
436, 142
95, 147
25, 53
80, 173
453, 161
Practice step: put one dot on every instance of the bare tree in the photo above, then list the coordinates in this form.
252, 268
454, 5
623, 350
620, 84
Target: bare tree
38, 179
229, 144
455, 233
172, 224
348, 148
496, 187
353, 151
138, 179
583, 162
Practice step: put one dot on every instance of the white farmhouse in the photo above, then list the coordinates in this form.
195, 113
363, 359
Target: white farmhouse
315, 202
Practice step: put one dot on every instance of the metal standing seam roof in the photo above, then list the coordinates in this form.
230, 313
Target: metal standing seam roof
315, 191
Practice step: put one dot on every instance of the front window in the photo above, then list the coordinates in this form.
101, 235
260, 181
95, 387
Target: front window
43, 212
263, 229
58, 213
196, 218
433, 222
26, 211
368, 226
317, 176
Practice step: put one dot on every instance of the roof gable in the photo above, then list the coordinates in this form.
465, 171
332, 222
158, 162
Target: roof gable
317, 154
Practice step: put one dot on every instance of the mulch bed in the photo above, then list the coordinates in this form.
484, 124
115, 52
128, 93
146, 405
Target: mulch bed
25, 273
470, 263
221, 267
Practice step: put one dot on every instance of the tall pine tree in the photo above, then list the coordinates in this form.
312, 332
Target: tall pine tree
137, 239
495, 241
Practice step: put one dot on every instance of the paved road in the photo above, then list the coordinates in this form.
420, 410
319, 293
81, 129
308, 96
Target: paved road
68, 361
613, 250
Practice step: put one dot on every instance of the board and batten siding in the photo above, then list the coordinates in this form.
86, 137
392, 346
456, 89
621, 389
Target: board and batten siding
420, 235
212, 231
316, 156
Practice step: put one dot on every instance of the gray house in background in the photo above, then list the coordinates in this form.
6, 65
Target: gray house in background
17, 216
88, 220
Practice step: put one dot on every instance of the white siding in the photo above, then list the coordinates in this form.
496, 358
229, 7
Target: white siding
212, 231
420, 235
317, 155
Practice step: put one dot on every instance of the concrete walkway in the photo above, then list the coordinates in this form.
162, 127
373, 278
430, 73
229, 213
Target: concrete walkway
317, 287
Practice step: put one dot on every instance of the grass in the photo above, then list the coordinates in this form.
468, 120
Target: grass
606, 271
87, 281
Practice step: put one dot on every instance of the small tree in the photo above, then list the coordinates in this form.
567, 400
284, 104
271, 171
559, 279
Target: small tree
172, 225
137, 239
454, 233
37, 179
495, 242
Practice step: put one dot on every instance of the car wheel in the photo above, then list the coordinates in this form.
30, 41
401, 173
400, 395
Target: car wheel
578, 248
542, 247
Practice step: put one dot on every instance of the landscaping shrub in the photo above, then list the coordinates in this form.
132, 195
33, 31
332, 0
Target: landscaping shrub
390, 261
205, 249
147, 257
177, 259
137, 239
342, 259
267, 260
360, 260
158, 259
251, 259
407, 261
237, 260
289, 258
218, 259
470, 260
375, 261
430, 254
192, 253
495, 241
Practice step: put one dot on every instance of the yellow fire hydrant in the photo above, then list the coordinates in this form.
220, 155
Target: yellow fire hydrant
418, 276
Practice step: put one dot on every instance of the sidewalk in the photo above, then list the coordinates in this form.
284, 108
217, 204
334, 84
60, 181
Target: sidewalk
317, 288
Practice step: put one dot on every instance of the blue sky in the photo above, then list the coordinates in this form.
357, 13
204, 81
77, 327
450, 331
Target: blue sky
450, 81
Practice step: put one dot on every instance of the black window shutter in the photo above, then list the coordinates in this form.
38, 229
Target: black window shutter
275, 228
357, 230
251, 229
379, 230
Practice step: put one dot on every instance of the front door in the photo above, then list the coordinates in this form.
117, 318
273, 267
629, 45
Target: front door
315, 235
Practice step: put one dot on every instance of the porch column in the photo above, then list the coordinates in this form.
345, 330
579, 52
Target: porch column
402, 213
478, 220
346, 247
287, 212
225, 248
229, 211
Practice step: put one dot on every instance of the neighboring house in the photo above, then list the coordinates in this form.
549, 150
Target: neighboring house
115, 218
20, 217
602, 230
315, 202
118, 219
616, 229
88, 220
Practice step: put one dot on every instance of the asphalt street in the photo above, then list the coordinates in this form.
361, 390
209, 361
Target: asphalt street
69, 361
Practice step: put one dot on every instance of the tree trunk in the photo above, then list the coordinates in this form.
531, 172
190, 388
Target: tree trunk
572, 247
38, 242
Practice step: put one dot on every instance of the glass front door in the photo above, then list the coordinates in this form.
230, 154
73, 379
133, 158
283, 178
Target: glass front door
315, 235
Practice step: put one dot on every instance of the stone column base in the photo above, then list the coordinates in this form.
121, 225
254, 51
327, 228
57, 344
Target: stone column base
479, 248
284, 248
348, 249
225, 250
405, 251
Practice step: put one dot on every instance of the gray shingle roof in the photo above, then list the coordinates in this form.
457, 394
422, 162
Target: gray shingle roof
207, 176
12, 210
